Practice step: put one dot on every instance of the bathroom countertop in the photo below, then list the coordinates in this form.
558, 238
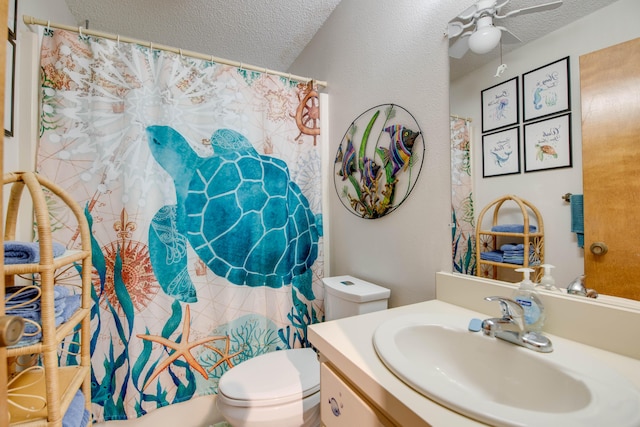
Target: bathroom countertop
348, 345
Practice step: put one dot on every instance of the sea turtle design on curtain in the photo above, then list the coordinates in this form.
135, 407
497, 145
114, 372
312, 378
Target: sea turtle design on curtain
239, 211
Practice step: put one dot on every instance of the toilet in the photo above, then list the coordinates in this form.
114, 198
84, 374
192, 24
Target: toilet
282, 388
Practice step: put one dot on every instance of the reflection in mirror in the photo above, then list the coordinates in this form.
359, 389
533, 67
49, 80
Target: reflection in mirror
609, 25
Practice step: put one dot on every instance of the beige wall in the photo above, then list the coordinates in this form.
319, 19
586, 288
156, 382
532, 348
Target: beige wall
376, 52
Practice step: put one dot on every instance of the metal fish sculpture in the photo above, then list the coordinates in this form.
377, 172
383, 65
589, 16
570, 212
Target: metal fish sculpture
370, 172
400, 147
348, 160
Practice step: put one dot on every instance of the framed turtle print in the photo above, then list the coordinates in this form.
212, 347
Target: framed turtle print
546, 90
500, 105
501, 153
547, 144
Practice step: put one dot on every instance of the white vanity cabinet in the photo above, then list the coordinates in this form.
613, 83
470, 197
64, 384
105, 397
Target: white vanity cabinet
341, 405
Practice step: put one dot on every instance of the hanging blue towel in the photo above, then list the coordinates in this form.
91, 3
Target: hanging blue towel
577, 217
16, 252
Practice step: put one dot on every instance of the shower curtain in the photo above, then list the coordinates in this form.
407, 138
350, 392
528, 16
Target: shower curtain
201, 183
462, 214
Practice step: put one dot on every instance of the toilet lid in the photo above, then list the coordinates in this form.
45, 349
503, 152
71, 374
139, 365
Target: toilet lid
274, 378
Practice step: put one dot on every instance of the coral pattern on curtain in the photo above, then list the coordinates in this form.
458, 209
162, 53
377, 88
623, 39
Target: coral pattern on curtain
462, 214
202, 187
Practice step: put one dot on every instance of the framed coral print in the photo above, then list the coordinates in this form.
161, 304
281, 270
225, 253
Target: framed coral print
12, 18
9, 88
501, 153
546, 90
547, 144
500, 105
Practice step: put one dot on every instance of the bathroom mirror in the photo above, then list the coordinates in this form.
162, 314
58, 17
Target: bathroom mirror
472, 74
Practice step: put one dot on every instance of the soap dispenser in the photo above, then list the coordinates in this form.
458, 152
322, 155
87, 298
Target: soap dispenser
547, 282
527, 296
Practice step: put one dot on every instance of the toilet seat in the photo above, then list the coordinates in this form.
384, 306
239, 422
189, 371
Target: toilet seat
274, 378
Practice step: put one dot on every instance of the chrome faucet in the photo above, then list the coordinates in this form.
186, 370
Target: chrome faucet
577, 287
511, 327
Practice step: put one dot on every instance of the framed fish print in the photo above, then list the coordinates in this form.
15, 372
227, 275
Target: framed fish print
547, 144
501, 153
12, 18
546, 90
9, 86
500, 106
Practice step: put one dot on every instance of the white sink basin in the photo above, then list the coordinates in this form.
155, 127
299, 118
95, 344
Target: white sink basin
500, 383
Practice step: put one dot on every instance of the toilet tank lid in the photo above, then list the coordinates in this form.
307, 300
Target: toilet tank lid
353, 289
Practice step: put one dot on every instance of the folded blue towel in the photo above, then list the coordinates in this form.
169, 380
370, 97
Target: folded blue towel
513, 228
15, 295
76, 415
512, 247
60, 292
32, 329
72, 304
16, 252
495, 256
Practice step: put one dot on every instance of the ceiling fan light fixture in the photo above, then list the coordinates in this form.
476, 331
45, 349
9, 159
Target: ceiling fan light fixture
484, 39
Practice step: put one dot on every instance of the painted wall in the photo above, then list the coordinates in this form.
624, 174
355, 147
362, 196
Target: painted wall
372, 53
19, 149
615, 23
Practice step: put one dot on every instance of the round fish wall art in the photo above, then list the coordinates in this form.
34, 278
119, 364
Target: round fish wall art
378, 161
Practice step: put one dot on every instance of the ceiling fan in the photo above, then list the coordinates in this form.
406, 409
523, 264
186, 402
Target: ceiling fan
474, 28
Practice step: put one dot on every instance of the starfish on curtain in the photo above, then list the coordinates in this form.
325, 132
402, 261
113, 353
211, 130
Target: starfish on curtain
225, 356
182, 348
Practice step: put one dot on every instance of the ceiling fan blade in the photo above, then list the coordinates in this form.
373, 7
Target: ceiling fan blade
508, 37
455, 28
468, 13
460, 47
538, 8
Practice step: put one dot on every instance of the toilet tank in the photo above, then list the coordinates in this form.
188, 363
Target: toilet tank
349, 296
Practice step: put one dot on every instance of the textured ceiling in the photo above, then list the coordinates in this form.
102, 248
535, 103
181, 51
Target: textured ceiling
527, 27
273, 33
268, 34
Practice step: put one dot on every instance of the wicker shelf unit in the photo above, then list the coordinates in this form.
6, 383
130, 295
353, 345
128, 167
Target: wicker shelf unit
56, 385
487, 240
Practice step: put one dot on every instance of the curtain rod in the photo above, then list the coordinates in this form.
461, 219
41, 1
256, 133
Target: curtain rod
460, 117
30, 20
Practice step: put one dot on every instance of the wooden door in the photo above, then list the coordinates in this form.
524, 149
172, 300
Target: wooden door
610, 93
